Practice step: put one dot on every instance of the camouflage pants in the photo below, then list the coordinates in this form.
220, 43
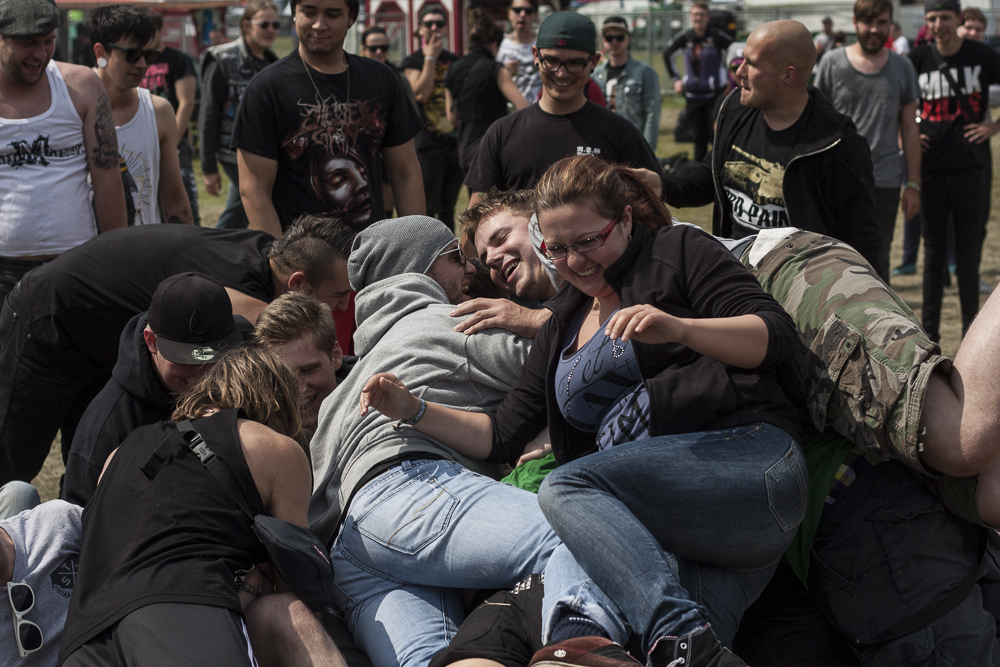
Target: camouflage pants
863, 362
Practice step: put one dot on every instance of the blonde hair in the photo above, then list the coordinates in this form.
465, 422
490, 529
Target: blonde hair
253, 8
586, 179
253, 379
292, 316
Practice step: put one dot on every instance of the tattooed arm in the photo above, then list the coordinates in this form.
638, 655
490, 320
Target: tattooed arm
174, 202
100, 143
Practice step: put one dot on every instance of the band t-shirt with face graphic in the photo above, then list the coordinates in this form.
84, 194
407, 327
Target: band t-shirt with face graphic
327, 144
942, 117
754, 171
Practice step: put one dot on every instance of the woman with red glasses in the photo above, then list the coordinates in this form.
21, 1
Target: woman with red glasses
226, 71
680, 480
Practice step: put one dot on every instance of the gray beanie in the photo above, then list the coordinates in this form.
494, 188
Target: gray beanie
399, 245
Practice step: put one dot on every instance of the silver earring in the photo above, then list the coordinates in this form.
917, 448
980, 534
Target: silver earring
102, 62
628, 239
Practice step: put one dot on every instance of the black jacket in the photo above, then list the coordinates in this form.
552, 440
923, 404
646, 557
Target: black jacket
133, 397
828, 187
684, 272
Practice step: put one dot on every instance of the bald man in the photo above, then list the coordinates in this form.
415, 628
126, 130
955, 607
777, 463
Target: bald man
785, 157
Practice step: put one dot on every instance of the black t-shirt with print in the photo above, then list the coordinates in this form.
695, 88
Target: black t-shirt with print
942, 117
437, 129
754, 171
162, 76
518, 148
328, 150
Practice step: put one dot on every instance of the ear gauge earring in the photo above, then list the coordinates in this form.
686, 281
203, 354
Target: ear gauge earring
102, 62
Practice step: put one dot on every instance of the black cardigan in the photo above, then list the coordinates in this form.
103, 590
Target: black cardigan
686, 273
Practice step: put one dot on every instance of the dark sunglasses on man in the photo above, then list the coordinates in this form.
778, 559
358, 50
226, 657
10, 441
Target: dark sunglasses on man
28, 634
618, 37
526, 11
378, 48
274, 25
133, 53
434, 24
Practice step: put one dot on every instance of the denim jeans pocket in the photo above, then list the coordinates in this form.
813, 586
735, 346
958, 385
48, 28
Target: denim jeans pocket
787, 487
409, 516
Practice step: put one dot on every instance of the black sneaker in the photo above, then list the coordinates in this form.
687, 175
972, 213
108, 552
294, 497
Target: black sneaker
698, 649
583, 652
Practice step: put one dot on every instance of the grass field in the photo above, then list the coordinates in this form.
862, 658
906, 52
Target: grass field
908, 287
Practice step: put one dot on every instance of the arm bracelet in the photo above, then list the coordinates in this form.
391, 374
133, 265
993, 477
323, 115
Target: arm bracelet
913, 185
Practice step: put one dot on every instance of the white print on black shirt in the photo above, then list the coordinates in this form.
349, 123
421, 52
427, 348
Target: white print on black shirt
587, 150
754, 190
36, 152
64, 577
938, 101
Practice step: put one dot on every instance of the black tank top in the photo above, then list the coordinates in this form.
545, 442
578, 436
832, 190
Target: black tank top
177, 537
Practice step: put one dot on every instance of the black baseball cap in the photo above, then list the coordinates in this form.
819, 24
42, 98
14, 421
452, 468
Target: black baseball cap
192, 317
567, 30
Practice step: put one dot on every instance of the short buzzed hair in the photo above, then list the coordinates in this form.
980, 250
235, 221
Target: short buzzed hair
515, 202
292, 316
700, 4
313, 245
867, 11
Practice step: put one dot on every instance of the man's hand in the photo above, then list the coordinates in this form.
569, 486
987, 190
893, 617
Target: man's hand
388, 395
434, 46
911, 203
500, 314
679, 87
537, 448
213, 182
977, 133
651, 178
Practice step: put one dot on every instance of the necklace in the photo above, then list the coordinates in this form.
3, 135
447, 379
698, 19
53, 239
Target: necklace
338, 136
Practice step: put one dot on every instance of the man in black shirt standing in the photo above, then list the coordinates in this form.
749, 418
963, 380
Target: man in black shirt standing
783, 156
172, 77
517, 149
311, 128
705, 78
954, 76
437, 145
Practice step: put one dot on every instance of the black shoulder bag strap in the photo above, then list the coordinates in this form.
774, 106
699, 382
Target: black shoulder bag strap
220, 471
942, 67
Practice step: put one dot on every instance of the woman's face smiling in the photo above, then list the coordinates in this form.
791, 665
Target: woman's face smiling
572, 223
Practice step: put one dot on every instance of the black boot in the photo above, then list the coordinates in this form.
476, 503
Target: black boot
698, 649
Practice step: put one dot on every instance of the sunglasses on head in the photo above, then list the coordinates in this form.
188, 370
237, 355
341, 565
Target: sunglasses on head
620, 37
434, 24
28, 634
523, 10
378, 48
274, 25
133, 53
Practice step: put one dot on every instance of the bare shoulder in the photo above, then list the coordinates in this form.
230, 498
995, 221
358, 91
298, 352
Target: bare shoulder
83, 84
266, 445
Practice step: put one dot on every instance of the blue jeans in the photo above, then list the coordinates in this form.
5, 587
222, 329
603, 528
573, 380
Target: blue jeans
234, 216
417, 535
679, 530
17, 496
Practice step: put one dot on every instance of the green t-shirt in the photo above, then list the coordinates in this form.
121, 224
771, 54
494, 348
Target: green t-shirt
529, 475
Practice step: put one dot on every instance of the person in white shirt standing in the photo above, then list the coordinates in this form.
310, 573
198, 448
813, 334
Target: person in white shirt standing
123, 39
55, 129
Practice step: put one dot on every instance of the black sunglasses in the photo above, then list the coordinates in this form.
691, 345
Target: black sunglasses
266, 24
378, 48
132, 53
620, 37
523, 10
28, 634
434, 24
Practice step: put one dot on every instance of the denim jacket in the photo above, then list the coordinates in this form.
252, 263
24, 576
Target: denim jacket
637, 96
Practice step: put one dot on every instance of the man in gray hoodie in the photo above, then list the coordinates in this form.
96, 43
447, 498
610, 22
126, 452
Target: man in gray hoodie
411, 521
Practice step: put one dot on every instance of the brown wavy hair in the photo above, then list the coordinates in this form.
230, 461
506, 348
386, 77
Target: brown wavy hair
608, 188
254, 379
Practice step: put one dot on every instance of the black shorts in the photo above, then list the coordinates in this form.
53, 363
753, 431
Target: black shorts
507, 628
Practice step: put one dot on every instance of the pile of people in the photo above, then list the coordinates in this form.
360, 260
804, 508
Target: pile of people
581, 433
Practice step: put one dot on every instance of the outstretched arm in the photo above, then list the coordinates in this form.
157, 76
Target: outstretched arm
469, 433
